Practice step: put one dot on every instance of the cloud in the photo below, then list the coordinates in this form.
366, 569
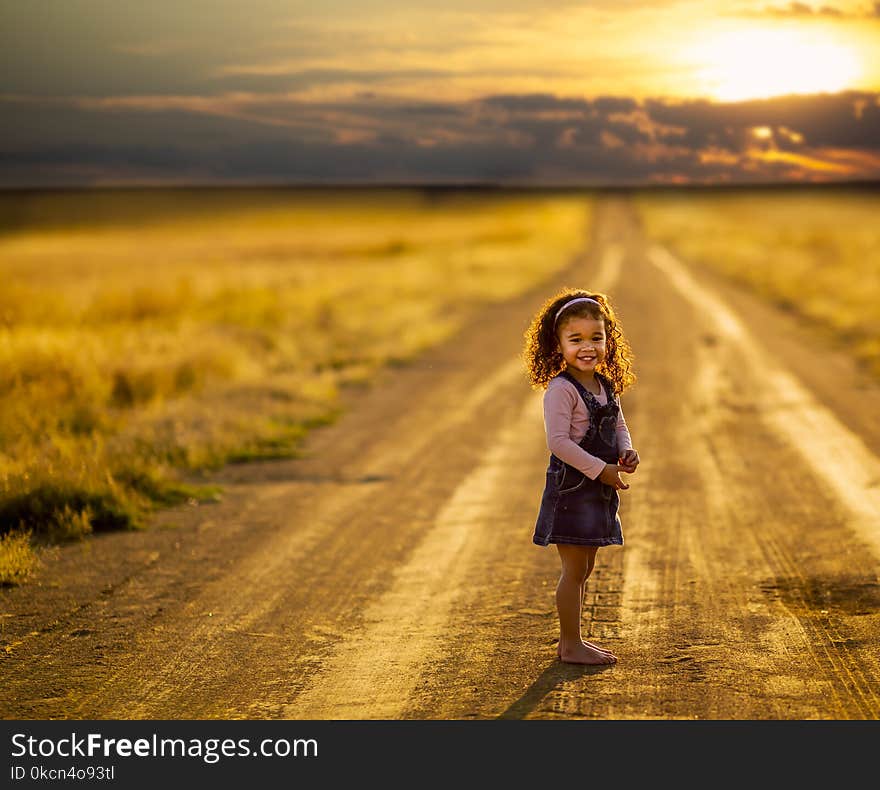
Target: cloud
539, 139
321, 78
845, 120
803, 10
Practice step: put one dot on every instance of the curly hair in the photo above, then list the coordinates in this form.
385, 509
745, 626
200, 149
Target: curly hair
542, 357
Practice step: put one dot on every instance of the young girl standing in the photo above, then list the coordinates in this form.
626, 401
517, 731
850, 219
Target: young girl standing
576, 351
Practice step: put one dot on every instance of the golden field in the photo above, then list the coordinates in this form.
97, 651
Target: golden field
149, 334
816, 253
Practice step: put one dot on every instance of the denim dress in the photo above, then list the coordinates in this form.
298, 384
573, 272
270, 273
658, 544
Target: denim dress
575, 509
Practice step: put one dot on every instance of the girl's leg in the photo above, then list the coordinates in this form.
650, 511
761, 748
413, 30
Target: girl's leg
591, 562
569, 599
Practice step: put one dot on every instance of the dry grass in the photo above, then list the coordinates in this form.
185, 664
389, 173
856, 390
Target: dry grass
145, 337
17, 558
815, 253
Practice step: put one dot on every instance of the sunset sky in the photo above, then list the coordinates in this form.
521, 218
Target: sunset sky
117, 92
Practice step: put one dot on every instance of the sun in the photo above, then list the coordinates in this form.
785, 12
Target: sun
736, 65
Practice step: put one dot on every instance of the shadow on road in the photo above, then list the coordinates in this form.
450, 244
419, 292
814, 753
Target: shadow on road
551, 678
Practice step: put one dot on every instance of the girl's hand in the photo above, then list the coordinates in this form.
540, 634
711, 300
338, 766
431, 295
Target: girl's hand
611, 477
629, 461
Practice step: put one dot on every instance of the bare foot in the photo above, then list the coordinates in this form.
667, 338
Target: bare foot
584, 654
588, 644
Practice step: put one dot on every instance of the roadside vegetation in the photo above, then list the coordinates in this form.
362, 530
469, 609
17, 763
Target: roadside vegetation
148, 337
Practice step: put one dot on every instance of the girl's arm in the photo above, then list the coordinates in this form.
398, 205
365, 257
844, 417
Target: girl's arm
624, 441
558, 409
629, 457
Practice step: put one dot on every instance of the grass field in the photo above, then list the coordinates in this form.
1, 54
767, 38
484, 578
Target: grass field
149, 335
814, 253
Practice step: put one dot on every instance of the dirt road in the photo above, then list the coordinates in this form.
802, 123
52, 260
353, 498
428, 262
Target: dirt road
391, 573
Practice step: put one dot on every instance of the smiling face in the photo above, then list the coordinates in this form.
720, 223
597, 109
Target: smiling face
582, 343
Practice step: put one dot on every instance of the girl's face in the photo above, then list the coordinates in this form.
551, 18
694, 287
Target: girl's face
582, 343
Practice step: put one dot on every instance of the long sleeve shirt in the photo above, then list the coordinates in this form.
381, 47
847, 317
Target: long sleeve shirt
566, 420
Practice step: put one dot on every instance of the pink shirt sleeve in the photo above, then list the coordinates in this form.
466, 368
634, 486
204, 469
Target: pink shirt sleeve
566, 420
624, 441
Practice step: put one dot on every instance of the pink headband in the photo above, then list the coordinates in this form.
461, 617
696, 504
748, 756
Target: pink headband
571, 302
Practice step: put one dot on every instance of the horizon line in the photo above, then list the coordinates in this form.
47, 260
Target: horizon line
452, 186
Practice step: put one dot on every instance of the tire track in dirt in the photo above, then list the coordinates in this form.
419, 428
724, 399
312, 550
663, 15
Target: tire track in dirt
827, 445
201, 639
834, 455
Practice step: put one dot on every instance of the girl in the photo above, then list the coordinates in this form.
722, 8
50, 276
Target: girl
576, 350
